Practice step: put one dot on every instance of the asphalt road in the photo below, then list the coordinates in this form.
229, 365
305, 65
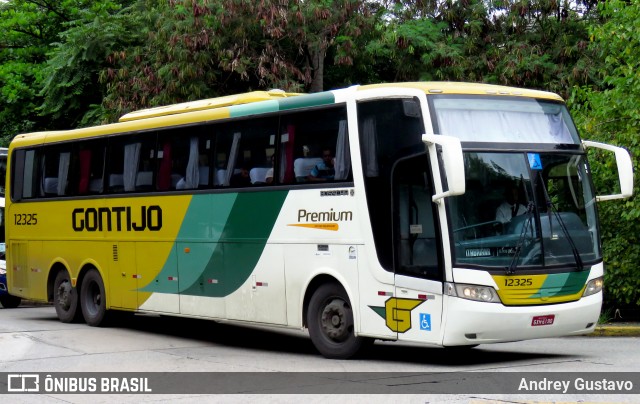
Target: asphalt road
33, 340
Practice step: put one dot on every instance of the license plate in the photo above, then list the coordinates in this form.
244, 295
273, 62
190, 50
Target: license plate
543, 320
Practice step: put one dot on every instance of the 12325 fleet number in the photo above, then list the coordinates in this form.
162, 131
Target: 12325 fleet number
25, 219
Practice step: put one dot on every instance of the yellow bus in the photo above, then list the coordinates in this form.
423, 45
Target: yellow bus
370, 212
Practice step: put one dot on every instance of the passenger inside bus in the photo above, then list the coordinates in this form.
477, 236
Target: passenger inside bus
510, 207
324, 170
241, 179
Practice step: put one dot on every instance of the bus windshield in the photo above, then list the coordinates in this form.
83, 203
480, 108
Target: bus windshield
504, 119
525, 210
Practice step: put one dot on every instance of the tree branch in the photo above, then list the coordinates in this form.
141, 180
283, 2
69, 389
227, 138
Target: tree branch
44, 4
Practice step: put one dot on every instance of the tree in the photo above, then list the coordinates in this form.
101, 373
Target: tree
609, 113
28, 31
535, 44
198, 49
72, 94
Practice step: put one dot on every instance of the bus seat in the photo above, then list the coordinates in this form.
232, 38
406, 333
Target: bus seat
51, 186
174, 180
203, 175
258, 175
144, 180
95, 186
219, 177
116, 182
302, 167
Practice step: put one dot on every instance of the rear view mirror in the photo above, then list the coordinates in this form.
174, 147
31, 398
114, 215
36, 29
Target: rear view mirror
452, 162
625, 170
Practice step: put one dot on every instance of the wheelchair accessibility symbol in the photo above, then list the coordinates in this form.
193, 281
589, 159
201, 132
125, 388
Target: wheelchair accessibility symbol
425, 321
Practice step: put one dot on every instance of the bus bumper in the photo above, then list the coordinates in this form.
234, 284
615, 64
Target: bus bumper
469, 322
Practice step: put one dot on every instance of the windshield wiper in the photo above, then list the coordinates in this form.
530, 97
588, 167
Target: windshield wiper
552, 209
511, 269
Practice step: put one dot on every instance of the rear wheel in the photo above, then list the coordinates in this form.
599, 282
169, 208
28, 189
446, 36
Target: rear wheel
10, 302
92, 298
65, 298
330, 322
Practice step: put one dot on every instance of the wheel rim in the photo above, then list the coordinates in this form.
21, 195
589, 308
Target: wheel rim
335, 320
64, 295
93, 299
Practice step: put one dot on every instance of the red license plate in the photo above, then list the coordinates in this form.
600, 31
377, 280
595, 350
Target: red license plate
543, 320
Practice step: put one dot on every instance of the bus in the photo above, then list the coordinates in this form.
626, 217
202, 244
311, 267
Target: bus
361, 213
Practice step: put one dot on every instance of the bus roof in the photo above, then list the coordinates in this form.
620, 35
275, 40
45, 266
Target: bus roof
257, 102
210, 103
449, 87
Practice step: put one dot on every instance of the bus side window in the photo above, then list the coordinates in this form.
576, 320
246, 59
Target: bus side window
54, 170
132, 161
244, 148
306, 135
89, 165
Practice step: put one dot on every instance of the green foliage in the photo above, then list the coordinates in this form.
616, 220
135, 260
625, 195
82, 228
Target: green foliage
70, 77
199, 49
608, 112
533, 44
43, 85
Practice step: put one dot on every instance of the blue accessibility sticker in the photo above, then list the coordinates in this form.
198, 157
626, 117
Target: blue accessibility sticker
534, 161
425, 321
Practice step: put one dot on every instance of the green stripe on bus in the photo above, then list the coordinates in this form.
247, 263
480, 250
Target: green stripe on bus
236, 251
562, 284
305, 101
254, 108
202, 225
243, 239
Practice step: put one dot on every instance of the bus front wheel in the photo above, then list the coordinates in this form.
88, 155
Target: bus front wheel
92, 298
65, 298
330, 322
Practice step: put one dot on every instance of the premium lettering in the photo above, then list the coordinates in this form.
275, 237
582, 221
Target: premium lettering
117, 218
330, 216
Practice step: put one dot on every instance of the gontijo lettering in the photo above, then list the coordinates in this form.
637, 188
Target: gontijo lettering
120, 218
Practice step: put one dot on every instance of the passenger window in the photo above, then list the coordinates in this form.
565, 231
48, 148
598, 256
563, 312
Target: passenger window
26, 175
88, 163
132, 160
55, 162
183, 159
243, 153
315, 146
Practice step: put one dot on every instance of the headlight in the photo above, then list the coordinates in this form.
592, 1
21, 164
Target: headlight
472, 292
594, 286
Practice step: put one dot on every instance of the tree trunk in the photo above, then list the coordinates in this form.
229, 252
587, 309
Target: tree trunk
317, 68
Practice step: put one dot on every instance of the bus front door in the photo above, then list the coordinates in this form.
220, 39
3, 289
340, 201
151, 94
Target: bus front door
418, 267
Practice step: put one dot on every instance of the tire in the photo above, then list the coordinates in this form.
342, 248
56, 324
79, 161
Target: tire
93, 299
460, 348
9, 301
330, 322
65, 299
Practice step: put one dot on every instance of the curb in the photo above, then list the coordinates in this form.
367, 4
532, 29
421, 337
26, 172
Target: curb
615, 330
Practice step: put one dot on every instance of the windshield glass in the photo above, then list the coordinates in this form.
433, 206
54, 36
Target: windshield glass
504, 119
524, 210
